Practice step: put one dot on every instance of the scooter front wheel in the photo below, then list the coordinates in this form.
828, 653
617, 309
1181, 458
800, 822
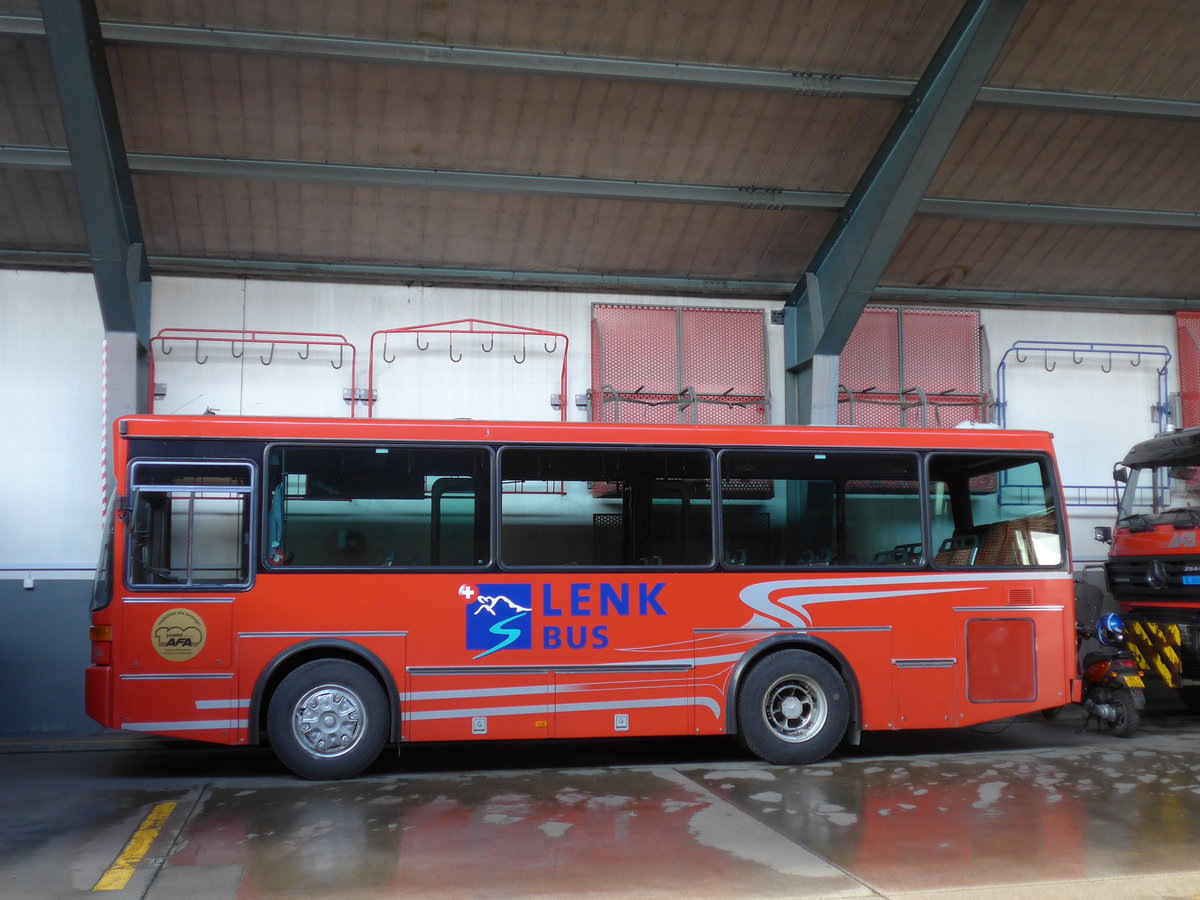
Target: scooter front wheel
1128, 717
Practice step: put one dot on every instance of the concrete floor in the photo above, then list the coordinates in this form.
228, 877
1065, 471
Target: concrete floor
1031, 807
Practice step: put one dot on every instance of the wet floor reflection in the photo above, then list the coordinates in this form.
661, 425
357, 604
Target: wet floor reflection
628, 833
1113, 808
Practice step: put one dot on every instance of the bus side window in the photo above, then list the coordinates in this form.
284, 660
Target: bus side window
605, 506
804, 508
358, 506
189, 524
993, 510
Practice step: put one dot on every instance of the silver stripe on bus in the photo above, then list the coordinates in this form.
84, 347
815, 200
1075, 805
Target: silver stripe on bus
213, 676
924, 663
222, 704
189, 601
791, 629
1009, 608
320, 634
549, 708
185, 726
600, 669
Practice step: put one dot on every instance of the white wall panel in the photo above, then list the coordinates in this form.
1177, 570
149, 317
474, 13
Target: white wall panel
1095, 416
51, 345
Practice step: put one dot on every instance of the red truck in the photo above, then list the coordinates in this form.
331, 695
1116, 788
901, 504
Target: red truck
1153, 566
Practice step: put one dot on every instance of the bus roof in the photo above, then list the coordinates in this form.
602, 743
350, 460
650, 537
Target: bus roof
300, 429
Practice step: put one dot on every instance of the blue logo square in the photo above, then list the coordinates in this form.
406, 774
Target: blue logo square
499, 617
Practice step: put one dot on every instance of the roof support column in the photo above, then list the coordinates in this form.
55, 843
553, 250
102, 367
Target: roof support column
105, 191
823, 309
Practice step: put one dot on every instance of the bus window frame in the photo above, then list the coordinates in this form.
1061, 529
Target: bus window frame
922, 494
713, 563
491, 495
127, 512
1050, 483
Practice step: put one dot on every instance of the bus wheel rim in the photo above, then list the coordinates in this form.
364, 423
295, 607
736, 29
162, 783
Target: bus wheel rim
329, 720
795, 709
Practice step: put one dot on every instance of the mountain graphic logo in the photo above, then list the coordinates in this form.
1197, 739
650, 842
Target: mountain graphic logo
499, 617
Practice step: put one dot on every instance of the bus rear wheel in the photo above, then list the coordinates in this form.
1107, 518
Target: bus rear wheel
328, 719
793, 708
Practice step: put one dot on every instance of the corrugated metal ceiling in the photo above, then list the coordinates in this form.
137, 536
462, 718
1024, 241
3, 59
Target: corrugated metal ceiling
661, 175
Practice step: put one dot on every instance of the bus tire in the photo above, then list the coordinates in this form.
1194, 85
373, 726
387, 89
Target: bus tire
328, 719
793, 708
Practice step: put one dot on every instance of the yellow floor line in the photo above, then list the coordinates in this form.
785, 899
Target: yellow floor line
123, 867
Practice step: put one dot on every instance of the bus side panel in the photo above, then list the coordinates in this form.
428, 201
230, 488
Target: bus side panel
176, 668
444, 704
591, 704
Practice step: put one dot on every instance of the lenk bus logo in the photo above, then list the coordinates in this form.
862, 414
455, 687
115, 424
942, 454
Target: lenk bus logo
500, 616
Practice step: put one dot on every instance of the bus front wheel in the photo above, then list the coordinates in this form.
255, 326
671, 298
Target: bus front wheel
328, 719
793, 708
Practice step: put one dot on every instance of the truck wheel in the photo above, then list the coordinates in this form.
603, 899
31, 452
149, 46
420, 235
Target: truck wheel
328, 719
1128, 716
793, 708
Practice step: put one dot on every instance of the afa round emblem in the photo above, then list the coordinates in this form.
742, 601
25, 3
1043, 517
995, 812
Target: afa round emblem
178, 635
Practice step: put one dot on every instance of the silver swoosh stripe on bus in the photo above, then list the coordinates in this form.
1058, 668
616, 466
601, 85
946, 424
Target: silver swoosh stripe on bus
548, 708
185, 726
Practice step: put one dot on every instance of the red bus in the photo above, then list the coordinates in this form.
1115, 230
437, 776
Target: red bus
330, 586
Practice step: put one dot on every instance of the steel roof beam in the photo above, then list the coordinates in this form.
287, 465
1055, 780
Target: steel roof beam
97, 161
54, 159
528, 62
583, 281
822, 310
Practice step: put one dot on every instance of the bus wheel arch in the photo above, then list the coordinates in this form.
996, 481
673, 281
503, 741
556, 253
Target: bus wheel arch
794, 701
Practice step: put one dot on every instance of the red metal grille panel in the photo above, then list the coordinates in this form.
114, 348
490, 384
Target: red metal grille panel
871, 358
937, 351
666, 365
1188, 335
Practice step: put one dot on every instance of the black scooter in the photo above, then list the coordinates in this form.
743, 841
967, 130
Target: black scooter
1113, 690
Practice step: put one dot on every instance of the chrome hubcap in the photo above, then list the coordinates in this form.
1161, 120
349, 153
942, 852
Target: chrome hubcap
329, 720
794, 708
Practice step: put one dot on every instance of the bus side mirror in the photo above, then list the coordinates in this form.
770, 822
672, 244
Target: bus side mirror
1103, 534
1120, 474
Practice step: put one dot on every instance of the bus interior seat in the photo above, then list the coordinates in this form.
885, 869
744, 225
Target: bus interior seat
959, 550
904, 554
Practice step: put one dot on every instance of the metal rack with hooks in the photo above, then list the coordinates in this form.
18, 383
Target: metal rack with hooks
167, 339
474, 329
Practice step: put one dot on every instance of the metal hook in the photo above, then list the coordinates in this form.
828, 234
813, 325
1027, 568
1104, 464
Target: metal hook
1075, 357
453, 358
1137, 362
1049, 366
554, 348
233, 347
200, 361
490, 347
166, 351
419, 347
1109, 369
307, 352
520, 361
269, 359
1020, 358
341, 357
385, 356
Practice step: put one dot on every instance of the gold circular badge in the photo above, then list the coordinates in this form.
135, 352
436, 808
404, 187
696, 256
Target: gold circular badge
178, 635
